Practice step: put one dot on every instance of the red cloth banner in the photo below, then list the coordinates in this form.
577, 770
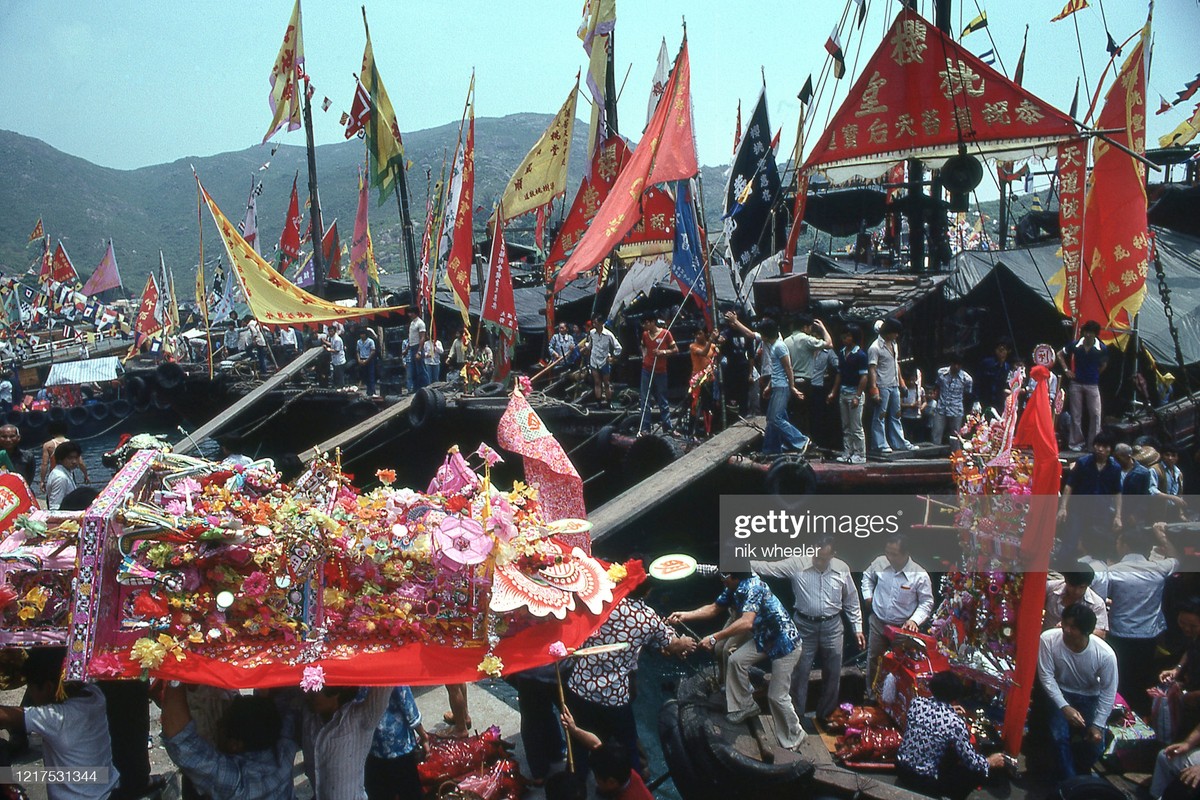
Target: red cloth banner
61, 268
667, 152
462, 253
1116, 241
546, 463
499, 306
607, 162
1072, 180
289, 240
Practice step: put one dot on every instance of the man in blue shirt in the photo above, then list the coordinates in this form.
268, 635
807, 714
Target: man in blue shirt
367, 358
1089, 358
780, 434
252, 760
1097, 479
954, 385
848, 390
760, 631
391, 770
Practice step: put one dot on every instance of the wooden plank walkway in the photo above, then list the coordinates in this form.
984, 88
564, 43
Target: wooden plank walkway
361, 429
660, 487
228, 415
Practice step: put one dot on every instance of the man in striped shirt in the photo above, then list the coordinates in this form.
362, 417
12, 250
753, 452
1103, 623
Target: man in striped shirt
337, 729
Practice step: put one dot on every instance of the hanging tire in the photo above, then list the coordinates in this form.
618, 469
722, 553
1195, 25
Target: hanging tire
791, 474
492, 389
36, 419
677, 755
137, 388
159, 402
57, 414
141, 407
77, 415
98, 411
169, 375
647, 455
120, 408
427, 405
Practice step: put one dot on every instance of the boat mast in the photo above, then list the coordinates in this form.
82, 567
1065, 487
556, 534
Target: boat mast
318, 230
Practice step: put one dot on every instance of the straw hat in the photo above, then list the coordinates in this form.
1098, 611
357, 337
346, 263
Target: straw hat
1145, 455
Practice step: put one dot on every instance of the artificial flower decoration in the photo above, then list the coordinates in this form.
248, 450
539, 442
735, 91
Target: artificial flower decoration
386, 476
489, 456
149, 653
454, 476
256, 585
491, 666
313, 679
558, 650
617, 573
105, 665
462, 542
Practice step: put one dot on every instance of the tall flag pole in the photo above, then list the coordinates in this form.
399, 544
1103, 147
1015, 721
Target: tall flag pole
388, 166
285, 79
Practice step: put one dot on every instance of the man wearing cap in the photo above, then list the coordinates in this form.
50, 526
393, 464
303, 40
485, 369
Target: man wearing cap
760, 631
824, 590
886, 383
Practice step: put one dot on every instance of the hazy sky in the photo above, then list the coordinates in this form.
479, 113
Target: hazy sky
127, 83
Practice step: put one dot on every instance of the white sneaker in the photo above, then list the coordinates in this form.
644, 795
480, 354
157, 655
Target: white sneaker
887, 451
912, 446
844, 458
857, 460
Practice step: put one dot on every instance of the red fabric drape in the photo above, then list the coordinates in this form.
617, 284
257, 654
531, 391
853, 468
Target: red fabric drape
1035, 429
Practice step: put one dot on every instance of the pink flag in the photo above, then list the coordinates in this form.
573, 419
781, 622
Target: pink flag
106, 275
360, 244
560, 489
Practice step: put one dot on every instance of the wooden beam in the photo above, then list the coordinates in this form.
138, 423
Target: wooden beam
637, 501
218, 422
361, 429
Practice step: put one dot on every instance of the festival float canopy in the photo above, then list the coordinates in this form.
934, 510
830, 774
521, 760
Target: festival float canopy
922, 95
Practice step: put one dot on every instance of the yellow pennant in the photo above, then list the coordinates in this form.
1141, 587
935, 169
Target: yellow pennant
285, 78
542, 176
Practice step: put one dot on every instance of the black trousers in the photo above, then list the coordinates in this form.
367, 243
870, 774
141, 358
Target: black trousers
1135, 670
127, 704
393, 778
541, 731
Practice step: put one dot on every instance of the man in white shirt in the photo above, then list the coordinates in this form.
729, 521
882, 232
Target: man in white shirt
1135, 586
823, 590
61, 482
1067, 589
337, 356
259, 341
74, 731
418, 375
886, 385
289, 343
803, 347
337, 729
899, 593
602, 348
1078, 672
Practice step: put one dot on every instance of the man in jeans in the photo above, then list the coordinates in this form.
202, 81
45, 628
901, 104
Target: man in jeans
1078, 672
780, 434
657, 346
848, 390
1089, 358
886, 384
954, 385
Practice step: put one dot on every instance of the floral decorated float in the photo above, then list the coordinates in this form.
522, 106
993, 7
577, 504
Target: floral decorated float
194, 570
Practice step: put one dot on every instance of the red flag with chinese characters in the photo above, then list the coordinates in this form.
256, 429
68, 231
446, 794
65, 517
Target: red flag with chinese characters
607, 162
147, 323
332, 250
289, 240
499, 306
924, 95
1116, 242
61, 268
560, 489
38, 232
360, 244
1072, 180
667, 152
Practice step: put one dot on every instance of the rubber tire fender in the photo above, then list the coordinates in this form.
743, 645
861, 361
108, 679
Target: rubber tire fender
678, 758
791, 474
121, 408
491, 389
77, 415
99, 411
647, 455
169, 375
427, 405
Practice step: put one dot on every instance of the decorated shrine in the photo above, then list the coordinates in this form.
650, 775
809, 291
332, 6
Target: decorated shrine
189, 569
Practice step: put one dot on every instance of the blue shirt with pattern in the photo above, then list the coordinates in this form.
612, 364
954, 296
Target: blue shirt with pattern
774, 632
257, 775
396, 734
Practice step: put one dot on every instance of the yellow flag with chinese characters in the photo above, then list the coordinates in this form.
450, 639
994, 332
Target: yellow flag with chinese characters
285, 78
542, 176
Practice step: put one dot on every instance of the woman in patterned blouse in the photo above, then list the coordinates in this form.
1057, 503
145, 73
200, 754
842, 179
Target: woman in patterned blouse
936, 756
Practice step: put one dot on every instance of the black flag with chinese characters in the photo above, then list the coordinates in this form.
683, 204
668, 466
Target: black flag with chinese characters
752, 190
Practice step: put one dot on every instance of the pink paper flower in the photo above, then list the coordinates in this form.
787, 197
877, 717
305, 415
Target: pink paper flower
500, 523
461, 542
314, 678
105, 665
489, 456
558, 650
256, 585
176, 508
187, 486
454, 476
